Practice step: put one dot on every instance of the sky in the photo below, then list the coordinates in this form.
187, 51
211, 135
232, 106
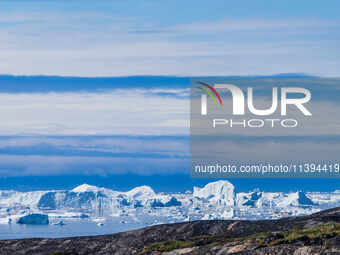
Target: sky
119, 38
60, 132
77, 99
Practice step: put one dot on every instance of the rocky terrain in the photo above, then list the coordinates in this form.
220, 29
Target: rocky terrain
304, 235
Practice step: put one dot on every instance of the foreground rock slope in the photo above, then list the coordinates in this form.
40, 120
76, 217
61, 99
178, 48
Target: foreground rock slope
315, 234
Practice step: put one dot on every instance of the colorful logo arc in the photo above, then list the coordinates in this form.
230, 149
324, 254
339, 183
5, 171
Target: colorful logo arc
209, 92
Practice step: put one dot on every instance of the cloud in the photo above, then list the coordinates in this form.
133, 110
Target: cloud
284, 27
83, 155
96, 108
118, 112
99, 44
268, 149
109, 146
93, 155
13, 165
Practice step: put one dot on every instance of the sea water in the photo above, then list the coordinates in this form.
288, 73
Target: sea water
71, 228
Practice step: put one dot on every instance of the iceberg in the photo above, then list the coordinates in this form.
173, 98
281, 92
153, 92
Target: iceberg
141, 193
216, 200
86, 188
34, 219
59, 223
220, 191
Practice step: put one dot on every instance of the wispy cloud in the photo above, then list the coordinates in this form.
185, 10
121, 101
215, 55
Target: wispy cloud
99, 44
129, 112
93, 155
109, 146
58, 165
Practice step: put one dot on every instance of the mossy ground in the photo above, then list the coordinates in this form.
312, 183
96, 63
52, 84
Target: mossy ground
263, 239
320, 232
166, 246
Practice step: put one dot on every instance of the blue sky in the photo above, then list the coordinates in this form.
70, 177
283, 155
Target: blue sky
115, 38
107, 131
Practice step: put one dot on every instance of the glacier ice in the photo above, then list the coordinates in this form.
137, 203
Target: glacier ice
216, 200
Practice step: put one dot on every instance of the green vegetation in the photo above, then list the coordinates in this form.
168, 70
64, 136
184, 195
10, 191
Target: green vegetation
315, 232
166, 246
320, 232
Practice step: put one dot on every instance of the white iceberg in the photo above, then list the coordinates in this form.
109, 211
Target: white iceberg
221, 192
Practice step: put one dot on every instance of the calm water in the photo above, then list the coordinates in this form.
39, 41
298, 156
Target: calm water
77, 227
